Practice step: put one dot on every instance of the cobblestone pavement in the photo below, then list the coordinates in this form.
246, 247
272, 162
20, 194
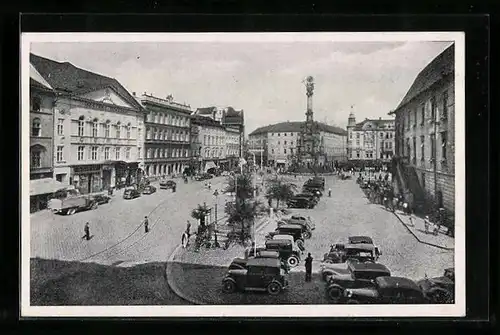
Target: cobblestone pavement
118, 237
346, 213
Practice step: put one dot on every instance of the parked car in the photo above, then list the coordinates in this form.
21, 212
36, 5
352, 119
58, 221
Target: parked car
306, 224
286, 249
386, 290
439, 290
358, 248
102, 198
259, 252
313, 198
131, 193
300, 202
167, 184
297, 231
260, 274
150, 189
357, 275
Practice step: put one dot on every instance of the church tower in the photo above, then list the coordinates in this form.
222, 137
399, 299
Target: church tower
351, 121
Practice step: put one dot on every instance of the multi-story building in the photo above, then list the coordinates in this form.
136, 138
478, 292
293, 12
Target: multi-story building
257, 146
370, 139
227, 116
212, 143
233, 146
425, 135
167, 143
279, 143
97, 129
41, 120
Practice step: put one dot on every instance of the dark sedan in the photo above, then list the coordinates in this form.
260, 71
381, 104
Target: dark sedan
131, 194
150, 189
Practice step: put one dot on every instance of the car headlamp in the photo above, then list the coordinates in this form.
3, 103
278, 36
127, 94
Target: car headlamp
348, 293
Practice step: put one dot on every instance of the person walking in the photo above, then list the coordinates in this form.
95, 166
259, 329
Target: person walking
86, 230
330, 192
209, 185
308, 264
188, 229
146, 224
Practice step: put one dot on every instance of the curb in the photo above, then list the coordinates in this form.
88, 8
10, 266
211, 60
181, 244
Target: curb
169, 276
418, 239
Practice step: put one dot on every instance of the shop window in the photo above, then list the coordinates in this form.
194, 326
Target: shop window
36, 129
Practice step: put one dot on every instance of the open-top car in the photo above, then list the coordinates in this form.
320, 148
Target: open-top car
298, 232
356, 275
386, 290
259, 274
440, 290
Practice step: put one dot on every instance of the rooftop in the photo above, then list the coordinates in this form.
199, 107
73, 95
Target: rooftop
65, 77
168, 101
440, 67
378, 123
295, 127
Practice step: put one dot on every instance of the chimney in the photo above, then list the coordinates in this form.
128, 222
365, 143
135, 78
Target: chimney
133, 93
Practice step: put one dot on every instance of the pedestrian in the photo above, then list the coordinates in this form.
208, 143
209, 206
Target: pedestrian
209, 185
329, 192
86, 229
146, 224
174, 188
308, 264
188, 228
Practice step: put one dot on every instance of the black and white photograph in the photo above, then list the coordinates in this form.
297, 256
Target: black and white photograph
243, 174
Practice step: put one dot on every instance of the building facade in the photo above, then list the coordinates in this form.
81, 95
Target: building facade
280, 143
41, 121
370, 140
167, 141
97, 128
425, 135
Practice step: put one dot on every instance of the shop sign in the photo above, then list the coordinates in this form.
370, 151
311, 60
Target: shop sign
87, 168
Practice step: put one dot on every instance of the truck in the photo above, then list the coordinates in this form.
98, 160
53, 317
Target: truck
68, 201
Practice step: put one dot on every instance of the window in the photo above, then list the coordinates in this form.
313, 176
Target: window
444, 114
285, 142
118, 130
444, 140
291, 151
35, 104
357, 136
94, 153
433, 147
357, 142
381, 135
94, 128
350, 135
291, 142
81, 125
106, 129
117, 153
81, 151
272, 150
36, 158
59, 153
279, 142
433, 108
422, 115
284, 151
357, 154
279, 134
414, 154
408, 120
127, 153
60, 127
128, 130
139, 133
106, 153
36, 129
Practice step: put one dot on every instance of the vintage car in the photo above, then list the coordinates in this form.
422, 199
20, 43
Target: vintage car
313, 189
259, 274
287, 250
167, 184
259, 252
131, 193
203, 176
295, 230
386, 290
102, 198
356, 275
303, 202
150, 189
298, 219
440, 290
360, 251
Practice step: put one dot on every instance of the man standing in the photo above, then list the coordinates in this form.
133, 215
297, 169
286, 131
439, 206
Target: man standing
87, 232
188, 229
329, 192
146, 224
308, 263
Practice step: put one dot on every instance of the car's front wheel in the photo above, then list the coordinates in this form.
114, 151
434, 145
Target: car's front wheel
274, 288
228, 286
335, 293
307, 235
293, 261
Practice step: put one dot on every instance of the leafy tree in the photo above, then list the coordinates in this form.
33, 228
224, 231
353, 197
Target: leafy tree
241, 216
243, 184
203, 234
200, 213
280, 190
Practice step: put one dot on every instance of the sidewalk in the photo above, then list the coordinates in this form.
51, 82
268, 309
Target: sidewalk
416, 227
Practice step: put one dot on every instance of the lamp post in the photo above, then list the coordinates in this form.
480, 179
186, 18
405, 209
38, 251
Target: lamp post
216, 193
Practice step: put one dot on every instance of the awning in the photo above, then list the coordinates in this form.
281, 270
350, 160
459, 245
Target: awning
209, 165
44, 186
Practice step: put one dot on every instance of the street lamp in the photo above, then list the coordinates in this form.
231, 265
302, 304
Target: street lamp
216, 193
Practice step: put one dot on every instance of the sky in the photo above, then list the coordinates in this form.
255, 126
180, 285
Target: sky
265, 79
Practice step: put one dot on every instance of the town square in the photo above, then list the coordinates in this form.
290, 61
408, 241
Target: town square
197, 174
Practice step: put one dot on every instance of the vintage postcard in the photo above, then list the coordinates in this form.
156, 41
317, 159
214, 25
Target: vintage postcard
255, 174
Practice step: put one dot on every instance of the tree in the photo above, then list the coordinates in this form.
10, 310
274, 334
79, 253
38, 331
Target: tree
280, 190
241, 216
203, 234
243, 185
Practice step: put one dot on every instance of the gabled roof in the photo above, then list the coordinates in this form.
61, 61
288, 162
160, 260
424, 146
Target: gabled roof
295, 127
36, 79
441, 66
232, 116
65, 77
